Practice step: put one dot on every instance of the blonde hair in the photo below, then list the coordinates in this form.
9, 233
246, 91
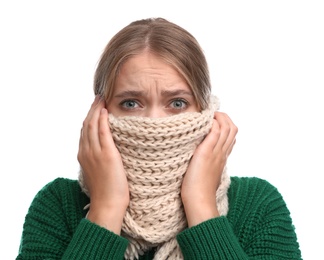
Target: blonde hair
165, 39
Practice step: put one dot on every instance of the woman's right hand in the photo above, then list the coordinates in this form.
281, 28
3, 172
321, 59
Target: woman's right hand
103, 170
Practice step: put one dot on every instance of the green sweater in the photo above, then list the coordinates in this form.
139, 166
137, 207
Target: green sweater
257, 226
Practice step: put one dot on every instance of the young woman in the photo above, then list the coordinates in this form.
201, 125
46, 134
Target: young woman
153, 182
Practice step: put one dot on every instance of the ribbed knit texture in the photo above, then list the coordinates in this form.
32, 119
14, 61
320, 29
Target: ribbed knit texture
258, 226
156, 153
55, 228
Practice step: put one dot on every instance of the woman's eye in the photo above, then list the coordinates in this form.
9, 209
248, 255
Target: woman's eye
179, 104
129, 104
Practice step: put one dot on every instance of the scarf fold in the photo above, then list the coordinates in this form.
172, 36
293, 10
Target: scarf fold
156, 153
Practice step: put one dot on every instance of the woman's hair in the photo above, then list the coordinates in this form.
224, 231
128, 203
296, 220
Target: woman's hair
165, 39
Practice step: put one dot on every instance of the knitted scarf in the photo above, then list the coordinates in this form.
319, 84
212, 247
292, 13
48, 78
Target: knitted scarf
156, 153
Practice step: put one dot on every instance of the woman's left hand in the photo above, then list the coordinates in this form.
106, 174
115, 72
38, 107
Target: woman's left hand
203, 176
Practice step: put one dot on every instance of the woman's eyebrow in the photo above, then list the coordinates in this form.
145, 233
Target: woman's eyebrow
165, 93
177, 92
130, 93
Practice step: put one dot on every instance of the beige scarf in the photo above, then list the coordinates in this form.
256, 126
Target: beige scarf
156, 153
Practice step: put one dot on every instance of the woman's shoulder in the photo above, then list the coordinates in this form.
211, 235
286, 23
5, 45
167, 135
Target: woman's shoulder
254, 193
60, 185
62, 191
245, 179
244, 184
61, 181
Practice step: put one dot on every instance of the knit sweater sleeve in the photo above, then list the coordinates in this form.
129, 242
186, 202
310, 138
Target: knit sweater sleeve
54, 228
257, 226
212, 239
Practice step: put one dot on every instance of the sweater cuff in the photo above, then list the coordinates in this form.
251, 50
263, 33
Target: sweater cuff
211, 239
91, 241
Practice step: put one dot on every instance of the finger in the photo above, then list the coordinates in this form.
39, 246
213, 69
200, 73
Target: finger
83, 140
105, 137
227, 132
92, 129
89, 137
88, 117
211, 138
231, 140
223, 130
231, 148
92, 108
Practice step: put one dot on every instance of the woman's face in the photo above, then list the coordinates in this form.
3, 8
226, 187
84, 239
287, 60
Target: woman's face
149, 87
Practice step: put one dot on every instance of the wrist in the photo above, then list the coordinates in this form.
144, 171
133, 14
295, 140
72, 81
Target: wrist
198, 212
110, 218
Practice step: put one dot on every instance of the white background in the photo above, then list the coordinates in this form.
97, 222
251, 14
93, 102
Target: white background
266, 61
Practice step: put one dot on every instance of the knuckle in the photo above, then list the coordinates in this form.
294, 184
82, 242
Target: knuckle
91, 125
79, 157
226, 128
235, 129
102, 131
